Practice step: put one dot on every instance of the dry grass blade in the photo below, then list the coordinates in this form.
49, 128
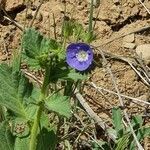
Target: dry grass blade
132, 62
144, 6
93, 115
7, 17
121, 36
34, 17
121, 101
136, 100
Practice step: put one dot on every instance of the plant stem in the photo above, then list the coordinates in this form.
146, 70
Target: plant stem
34, 131
46, 80
44, 89
91, 18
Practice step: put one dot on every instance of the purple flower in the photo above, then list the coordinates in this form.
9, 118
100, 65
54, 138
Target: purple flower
79, 56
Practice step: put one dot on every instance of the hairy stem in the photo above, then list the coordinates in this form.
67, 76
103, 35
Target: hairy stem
91, 18
34, 131
44, 90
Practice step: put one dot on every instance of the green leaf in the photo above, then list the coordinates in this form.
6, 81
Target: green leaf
117, 121
77, 31
6, 138
67, 28
22, 143
20, 127
100, 145
59, 72
140, 134
59, 104
13, 88
38, 48
123, 142
33, 64
31, 103
88, 37
143, 132
75, 76
32, 42
137, 122
46, 140
16, 63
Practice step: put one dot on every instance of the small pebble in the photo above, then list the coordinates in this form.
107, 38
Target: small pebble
3, 57
116, 1
143, 51
129, 38
129, 45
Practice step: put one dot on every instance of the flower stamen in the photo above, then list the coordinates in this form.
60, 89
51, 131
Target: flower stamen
82, 56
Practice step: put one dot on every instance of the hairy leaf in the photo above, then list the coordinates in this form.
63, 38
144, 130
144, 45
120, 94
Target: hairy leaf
38, 48
13, 89
22, 143
59, 104
6, 138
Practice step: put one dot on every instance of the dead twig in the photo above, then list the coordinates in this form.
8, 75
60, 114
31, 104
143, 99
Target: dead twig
35, 15
144, 6
121, 36
136, 100
132, 62
18, 25
93, 115
121, 101
88, 109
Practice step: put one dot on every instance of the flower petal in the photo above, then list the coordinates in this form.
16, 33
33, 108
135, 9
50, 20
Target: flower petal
71, 56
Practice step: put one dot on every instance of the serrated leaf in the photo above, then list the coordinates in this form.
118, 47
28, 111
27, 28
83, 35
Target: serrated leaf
59, 104
46, 140
33, 64
59, 72
38, 48
32, 42
76, 76
6, 138
117, 121
13, 88
22, 143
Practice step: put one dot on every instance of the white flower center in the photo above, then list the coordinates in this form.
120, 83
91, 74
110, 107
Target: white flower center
82, 56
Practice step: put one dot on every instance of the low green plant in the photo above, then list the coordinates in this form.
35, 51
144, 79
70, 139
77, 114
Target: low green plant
124, 136
25, 107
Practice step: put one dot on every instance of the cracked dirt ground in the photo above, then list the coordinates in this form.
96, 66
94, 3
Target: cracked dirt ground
113, 19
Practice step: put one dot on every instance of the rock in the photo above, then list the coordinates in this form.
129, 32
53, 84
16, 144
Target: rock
143, 51
13, 4
129, 45
129, 38
3, 57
